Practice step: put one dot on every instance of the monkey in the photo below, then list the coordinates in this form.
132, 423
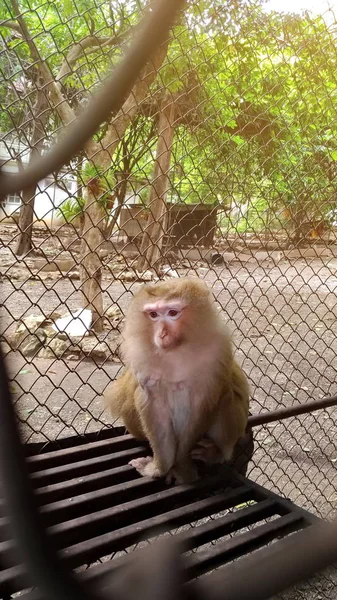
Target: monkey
182, 390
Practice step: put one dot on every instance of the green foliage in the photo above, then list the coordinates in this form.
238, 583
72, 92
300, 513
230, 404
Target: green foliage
71, 209
261, 129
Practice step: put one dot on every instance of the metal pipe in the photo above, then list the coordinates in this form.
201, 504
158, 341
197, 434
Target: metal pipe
292, 411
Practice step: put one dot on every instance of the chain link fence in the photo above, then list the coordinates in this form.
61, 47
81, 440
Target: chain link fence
221, 164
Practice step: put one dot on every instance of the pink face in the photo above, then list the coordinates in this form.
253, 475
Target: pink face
167, 322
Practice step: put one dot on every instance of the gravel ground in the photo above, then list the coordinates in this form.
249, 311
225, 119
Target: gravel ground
283, 319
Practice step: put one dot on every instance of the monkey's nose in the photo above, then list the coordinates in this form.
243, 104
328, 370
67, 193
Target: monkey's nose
163, 334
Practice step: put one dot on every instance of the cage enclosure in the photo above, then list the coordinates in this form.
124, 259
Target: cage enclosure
219, 162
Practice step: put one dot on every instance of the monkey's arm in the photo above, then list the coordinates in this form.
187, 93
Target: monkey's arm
120, 399
156, 423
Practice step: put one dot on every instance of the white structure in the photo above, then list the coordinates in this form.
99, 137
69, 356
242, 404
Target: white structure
49, 196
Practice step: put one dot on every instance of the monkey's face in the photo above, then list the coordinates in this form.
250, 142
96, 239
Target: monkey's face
167, 320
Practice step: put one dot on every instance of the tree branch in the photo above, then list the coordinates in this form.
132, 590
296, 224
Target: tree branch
101, 153
91, 42
64, 110
12, 25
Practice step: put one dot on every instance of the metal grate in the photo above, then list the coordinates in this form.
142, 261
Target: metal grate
95, 506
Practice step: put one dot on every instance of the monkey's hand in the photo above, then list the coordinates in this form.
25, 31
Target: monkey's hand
207, 451
146, 466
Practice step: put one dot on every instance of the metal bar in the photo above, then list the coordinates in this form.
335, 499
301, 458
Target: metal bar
292, 411
91, 450
196, 535
129, 534
113, 541
188, 539
284, 503
130, 512
272, 570
33, 448
96, 500
80, 485
93, 524
222, 552
85, 467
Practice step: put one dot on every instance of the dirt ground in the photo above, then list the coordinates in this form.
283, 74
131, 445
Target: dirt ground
283, 317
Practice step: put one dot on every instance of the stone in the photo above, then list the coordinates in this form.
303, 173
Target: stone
46, 353
93, 349
26, 327
61, 264
32, 343
17, 274
136, 276
73, 357
30, 324
73, 275
58, 346
114, 312
217, 259
50, 332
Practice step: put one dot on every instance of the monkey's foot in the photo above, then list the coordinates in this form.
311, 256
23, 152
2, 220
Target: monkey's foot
146, 466
207, 451
180, 475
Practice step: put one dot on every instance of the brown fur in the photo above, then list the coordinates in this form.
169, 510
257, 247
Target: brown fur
222, 412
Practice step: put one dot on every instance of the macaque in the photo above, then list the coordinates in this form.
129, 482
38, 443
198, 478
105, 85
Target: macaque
182, 390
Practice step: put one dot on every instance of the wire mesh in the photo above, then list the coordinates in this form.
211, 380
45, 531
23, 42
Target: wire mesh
222, 163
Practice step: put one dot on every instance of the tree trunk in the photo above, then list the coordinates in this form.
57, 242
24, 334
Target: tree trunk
299, 218
28, 197
120, 195
155, 230
91, 266
101, 155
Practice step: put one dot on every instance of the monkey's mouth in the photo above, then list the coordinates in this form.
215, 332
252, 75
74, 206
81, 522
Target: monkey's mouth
168, 343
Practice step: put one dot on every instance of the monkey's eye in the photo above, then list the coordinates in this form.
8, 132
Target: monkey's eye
172, 313
153, 314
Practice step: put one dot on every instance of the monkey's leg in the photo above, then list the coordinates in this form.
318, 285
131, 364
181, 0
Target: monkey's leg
225, 431
184, 470
156, 422
207, 451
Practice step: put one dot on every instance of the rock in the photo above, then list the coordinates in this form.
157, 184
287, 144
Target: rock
114, 312
30, 324
136, 276
26, 326
73, 275
58, 346
50, 332
17, 274
61, 264
46, 353
51, 276
167, 271
54, 315
97, 350
217, 259
32, 343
